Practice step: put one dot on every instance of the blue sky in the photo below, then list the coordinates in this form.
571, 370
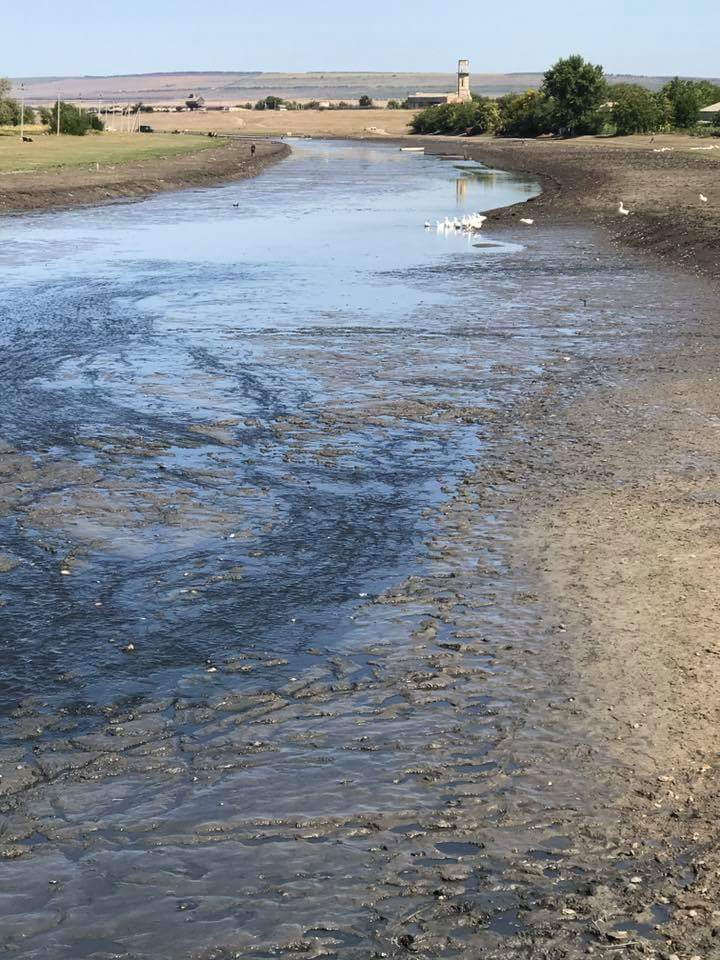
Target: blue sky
75, 37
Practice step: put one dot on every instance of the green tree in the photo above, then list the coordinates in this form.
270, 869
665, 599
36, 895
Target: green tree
10, 113
7, 113
73, 120
365, 102
687, 98
635, 109
459, 119
526, 114
577, 89
684, 102
393, 104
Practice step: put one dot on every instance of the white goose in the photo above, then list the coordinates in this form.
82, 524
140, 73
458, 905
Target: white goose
622, 210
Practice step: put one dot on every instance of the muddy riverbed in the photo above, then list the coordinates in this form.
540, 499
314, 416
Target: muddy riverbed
288, 662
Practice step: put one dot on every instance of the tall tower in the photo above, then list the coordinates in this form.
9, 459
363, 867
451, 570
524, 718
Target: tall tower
463, 87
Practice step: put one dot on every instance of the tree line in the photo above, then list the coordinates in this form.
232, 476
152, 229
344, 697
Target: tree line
73, 120
575, 98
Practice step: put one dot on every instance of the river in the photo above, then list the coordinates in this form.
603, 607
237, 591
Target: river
242, 699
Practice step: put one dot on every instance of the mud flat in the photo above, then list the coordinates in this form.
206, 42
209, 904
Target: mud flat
418, 578
659, 179
63, 189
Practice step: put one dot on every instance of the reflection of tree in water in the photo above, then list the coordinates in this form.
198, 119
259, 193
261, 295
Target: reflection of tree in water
488, 178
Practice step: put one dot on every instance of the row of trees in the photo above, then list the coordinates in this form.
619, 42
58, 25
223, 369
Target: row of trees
73, 120
574, 99
273, 103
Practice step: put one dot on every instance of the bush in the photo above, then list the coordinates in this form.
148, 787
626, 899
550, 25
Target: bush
577, 89
636, 110
459, 119
524, 114
73, 120
393, 104
269, 103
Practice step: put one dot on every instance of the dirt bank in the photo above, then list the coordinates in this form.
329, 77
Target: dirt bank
65, 188
659, 181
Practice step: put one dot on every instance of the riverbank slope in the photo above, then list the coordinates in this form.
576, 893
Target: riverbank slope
76, 186
660, 180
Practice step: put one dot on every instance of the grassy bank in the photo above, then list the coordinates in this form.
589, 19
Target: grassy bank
49, 152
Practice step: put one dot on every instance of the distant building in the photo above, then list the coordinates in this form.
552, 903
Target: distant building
709, 114
419, 101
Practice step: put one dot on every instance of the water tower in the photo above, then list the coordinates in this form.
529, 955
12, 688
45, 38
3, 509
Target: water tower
463, 86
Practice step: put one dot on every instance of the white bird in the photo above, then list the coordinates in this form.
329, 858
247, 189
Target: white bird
622, 210
703, 198
527, 221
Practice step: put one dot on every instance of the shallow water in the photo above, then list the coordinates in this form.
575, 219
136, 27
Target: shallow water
238, 439
154, 356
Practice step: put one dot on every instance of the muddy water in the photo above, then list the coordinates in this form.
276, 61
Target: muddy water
268, 681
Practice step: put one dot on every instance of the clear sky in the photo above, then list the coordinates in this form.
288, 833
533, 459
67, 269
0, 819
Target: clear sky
76, 37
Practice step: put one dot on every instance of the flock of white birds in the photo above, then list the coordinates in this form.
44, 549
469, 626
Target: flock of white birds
475, 221
466, 224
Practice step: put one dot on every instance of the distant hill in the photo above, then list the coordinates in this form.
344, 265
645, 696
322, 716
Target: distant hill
240, 87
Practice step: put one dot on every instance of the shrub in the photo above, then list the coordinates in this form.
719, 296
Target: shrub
460, 119
524, 114
73, 120
636, 109
393, 104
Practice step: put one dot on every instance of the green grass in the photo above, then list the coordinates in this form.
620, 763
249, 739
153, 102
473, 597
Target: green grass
107, 149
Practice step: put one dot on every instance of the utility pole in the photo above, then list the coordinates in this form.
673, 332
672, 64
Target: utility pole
22, 111
58, 116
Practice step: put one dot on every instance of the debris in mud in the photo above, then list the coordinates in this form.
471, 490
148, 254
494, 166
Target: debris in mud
7, 562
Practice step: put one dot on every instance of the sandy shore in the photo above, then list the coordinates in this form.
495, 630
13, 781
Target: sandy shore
76, 187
